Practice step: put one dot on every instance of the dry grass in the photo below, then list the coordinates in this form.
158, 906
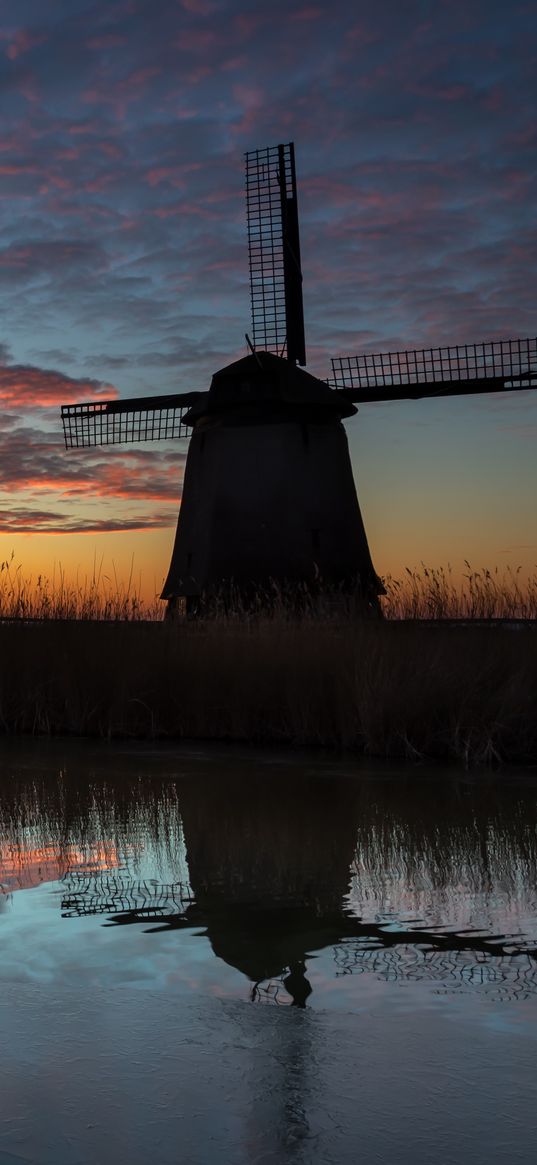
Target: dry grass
430, 593
95, 597
424, 593
99, 663
385, 689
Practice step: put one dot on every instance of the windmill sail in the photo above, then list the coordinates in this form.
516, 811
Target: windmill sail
114, 422
494, 366
274, 252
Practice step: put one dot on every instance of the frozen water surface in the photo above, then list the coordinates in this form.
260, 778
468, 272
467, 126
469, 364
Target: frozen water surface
228, 955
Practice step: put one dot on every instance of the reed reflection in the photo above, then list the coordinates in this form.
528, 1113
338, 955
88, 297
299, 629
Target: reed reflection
408, 880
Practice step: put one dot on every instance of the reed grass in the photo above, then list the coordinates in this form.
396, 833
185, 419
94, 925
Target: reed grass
95, 597
382, 688
429, 593
422, 593
92, 659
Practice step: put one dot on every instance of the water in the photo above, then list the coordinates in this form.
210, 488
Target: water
222, 954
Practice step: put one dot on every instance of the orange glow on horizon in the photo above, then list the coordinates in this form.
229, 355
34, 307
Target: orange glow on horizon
134, 564
137, 561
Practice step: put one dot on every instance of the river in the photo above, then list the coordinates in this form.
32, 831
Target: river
246, 956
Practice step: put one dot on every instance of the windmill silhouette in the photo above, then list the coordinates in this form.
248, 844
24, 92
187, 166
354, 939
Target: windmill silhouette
268, 493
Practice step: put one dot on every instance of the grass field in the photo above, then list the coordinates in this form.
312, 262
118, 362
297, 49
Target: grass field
424, 593
397, 687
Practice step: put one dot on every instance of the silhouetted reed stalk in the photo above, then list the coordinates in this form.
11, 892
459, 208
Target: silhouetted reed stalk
425, 593
431, 593
104, 665
97, 597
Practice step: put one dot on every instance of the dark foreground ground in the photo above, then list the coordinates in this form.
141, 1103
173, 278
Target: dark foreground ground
465, 691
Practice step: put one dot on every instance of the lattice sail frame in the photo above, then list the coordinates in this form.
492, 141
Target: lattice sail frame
115, 422
274, 252
499, 363
107, 892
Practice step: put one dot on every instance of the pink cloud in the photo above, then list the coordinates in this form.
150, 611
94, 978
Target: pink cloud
233, 64
26, 386
41, 256
29, 89
27, 520
127, 475
251, 99
199, 74
84, 127
22, 41
35, 463
102, 182
164, 212
136, 82
248, 23
121, 93
110, 149
68, 155
159, 174
13, 168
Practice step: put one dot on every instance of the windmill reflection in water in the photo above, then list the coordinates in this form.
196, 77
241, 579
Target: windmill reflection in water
269, 881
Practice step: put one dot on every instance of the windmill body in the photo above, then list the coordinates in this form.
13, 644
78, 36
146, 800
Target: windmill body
268, 490
268, 494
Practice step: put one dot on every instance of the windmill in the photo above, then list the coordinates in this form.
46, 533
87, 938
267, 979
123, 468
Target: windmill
268, 493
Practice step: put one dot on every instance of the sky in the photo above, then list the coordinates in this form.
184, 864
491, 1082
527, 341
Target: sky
123, 256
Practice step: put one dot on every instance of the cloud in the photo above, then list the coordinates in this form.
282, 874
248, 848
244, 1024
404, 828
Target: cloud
123, 244
39, 256
26, 520
37, 462
27, 386
35, 466
34, 463
397, 183
21, 42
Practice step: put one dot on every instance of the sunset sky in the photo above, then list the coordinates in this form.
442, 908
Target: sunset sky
123, 260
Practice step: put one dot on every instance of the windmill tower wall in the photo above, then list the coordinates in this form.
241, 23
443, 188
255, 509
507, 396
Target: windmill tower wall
268, 492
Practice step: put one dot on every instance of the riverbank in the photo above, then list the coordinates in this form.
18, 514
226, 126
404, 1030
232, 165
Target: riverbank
464, 692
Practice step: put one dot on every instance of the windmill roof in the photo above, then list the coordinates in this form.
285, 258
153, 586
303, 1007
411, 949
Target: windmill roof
263, 376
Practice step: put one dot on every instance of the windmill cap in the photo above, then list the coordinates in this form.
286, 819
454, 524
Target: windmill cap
263, 377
